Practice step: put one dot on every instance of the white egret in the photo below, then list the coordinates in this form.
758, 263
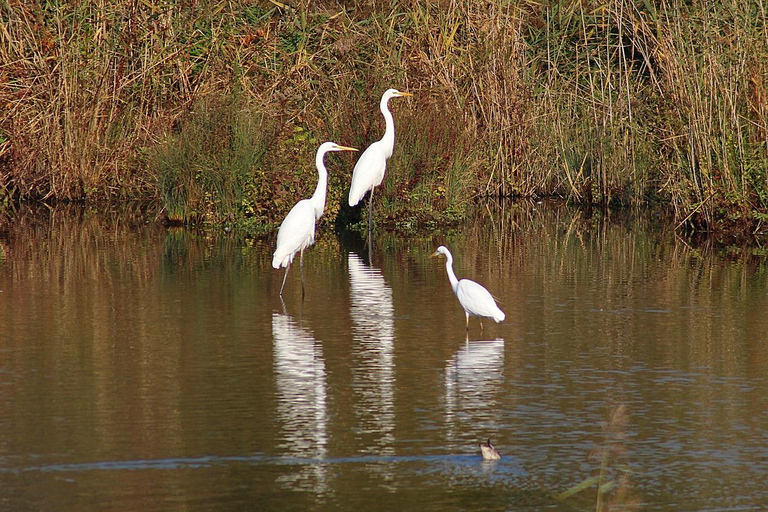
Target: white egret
369, 170
473, 297
297, 232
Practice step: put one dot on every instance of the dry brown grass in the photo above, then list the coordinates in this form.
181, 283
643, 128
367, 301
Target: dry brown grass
602, 103
84, 87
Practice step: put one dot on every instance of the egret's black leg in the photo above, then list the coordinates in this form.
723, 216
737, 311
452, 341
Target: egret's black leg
287, 268
301, 264
370, 211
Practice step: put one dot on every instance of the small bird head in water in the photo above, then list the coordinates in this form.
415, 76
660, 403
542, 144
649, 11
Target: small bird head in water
489, 452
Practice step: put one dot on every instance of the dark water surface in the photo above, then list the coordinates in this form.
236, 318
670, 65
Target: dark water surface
151, 369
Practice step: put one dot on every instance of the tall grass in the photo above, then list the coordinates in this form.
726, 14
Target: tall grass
205, 169
86, 85
609, 102
715, 70
591, 61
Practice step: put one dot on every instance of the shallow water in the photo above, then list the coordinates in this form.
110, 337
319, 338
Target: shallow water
151, 369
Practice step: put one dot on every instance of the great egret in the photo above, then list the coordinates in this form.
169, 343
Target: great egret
369, 170
473, 297
489, 452
297, 232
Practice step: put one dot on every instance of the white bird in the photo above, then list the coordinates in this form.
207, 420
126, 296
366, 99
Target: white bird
369, 170
297, 232
473, 297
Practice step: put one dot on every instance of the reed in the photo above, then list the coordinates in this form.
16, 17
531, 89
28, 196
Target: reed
713, 66
612, 482
205, 170
610, 102
87, 86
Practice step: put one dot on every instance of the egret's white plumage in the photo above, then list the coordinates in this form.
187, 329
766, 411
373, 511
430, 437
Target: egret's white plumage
473, 297
297, 232
369, 169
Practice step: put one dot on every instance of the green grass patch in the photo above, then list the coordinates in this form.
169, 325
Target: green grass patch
207, 168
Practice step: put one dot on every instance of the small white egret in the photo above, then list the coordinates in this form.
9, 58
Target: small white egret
369, 170
473, 297
297, 232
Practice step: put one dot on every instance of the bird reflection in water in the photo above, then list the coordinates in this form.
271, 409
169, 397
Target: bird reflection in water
373, 328
473, 378
300, 379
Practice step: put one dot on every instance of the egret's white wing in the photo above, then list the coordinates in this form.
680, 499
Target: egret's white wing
368, 172
478, 301
297, 232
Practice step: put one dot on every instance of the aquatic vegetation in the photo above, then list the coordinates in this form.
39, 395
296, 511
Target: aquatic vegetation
612, 483
205, 169
607, 103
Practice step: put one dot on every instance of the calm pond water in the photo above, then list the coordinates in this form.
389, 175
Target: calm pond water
151, 369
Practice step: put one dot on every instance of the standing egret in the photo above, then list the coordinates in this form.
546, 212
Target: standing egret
369, 170
297, 232
473, 297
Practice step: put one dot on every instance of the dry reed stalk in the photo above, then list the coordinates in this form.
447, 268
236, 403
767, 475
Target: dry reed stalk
708, 61
91, 81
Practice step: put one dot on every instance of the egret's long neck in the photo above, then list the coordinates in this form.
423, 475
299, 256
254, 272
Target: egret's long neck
389, 133
318, 198
449, 269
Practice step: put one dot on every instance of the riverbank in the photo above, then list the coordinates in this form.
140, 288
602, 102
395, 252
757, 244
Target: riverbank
214, 110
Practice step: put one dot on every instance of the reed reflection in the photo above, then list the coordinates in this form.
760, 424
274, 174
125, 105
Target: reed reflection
373, 328
473, 378
301, 382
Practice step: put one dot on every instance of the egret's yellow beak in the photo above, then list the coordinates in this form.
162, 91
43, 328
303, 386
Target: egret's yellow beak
345, 148
401, 93
434, 254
